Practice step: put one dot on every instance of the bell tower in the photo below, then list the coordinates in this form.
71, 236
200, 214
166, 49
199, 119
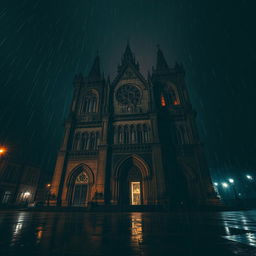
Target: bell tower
179, 136
83, 143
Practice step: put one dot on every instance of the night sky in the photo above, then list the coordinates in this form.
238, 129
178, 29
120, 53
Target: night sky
43, 44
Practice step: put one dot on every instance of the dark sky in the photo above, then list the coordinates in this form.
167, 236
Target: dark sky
43, 44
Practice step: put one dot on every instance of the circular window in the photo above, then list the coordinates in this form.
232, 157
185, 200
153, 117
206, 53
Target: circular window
128, 95
82, 178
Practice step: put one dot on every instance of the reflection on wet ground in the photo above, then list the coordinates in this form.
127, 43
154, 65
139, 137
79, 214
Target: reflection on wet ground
81, 233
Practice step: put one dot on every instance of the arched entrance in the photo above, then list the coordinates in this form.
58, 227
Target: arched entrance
131, 186
80, 190
79, 185
132, 182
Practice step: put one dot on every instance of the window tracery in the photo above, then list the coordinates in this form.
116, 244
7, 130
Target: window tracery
90, 103
129, 97
82, 178
132, 134
169, 97
86, 141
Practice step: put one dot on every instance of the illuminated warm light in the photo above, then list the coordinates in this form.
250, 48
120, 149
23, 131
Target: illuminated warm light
163, 101
39, 233
225, 185
249, 177
26, 194
48, 185
175, 102
231, 180
2, 150
135, 193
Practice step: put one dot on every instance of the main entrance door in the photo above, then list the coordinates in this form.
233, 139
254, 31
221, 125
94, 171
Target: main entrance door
80, 190
135, 193
131, 187
80, 193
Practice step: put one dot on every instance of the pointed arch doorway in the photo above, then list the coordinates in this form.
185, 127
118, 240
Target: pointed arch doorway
80, 191
132, 182
79, 186
131, 186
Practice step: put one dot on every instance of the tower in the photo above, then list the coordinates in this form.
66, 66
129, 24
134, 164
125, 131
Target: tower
132, 141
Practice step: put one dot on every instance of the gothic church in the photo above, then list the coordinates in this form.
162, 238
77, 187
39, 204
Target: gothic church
131, 141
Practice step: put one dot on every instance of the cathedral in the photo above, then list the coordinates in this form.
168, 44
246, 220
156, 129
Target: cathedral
132, 141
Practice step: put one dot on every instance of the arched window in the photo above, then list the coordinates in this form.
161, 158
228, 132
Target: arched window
92, 141
139, 134
182, 136
86, 140
115, 134
179, 135
120, 135
83, 141
146, 133
76, 141
97, 139
169, 97
133, 134
126, 135
90, 103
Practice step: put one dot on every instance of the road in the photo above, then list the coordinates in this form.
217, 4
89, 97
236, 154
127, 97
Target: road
138, 233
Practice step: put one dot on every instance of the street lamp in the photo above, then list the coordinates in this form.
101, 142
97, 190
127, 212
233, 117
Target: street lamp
249, 177
48, 186
232, 182
3, 151
216, 184
224, 184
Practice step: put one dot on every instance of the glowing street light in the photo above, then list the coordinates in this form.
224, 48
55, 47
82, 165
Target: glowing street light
27, 194
225, 185
249, 177
216, 184
48, 186
2, 150
231, 181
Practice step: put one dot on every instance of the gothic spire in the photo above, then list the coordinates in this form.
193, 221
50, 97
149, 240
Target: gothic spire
95, 70
161, 63
128, 58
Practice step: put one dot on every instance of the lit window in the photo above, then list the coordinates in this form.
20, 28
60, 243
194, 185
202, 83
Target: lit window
163, 101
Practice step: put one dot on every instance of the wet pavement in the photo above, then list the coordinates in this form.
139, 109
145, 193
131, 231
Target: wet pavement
83, 233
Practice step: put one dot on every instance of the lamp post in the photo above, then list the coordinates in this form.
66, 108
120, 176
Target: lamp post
224, 184
216, 188
3, 151
48, 186
232, 182
250, 178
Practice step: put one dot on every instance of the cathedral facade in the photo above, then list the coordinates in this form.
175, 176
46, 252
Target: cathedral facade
131, 141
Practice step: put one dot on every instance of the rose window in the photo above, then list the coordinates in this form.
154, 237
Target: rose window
128, 95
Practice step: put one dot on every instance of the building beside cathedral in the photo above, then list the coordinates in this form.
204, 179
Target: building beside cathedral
131, 141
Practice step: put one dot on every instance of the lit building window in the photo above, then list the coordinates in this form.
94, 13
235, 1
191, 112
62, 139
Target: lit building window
163, 101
